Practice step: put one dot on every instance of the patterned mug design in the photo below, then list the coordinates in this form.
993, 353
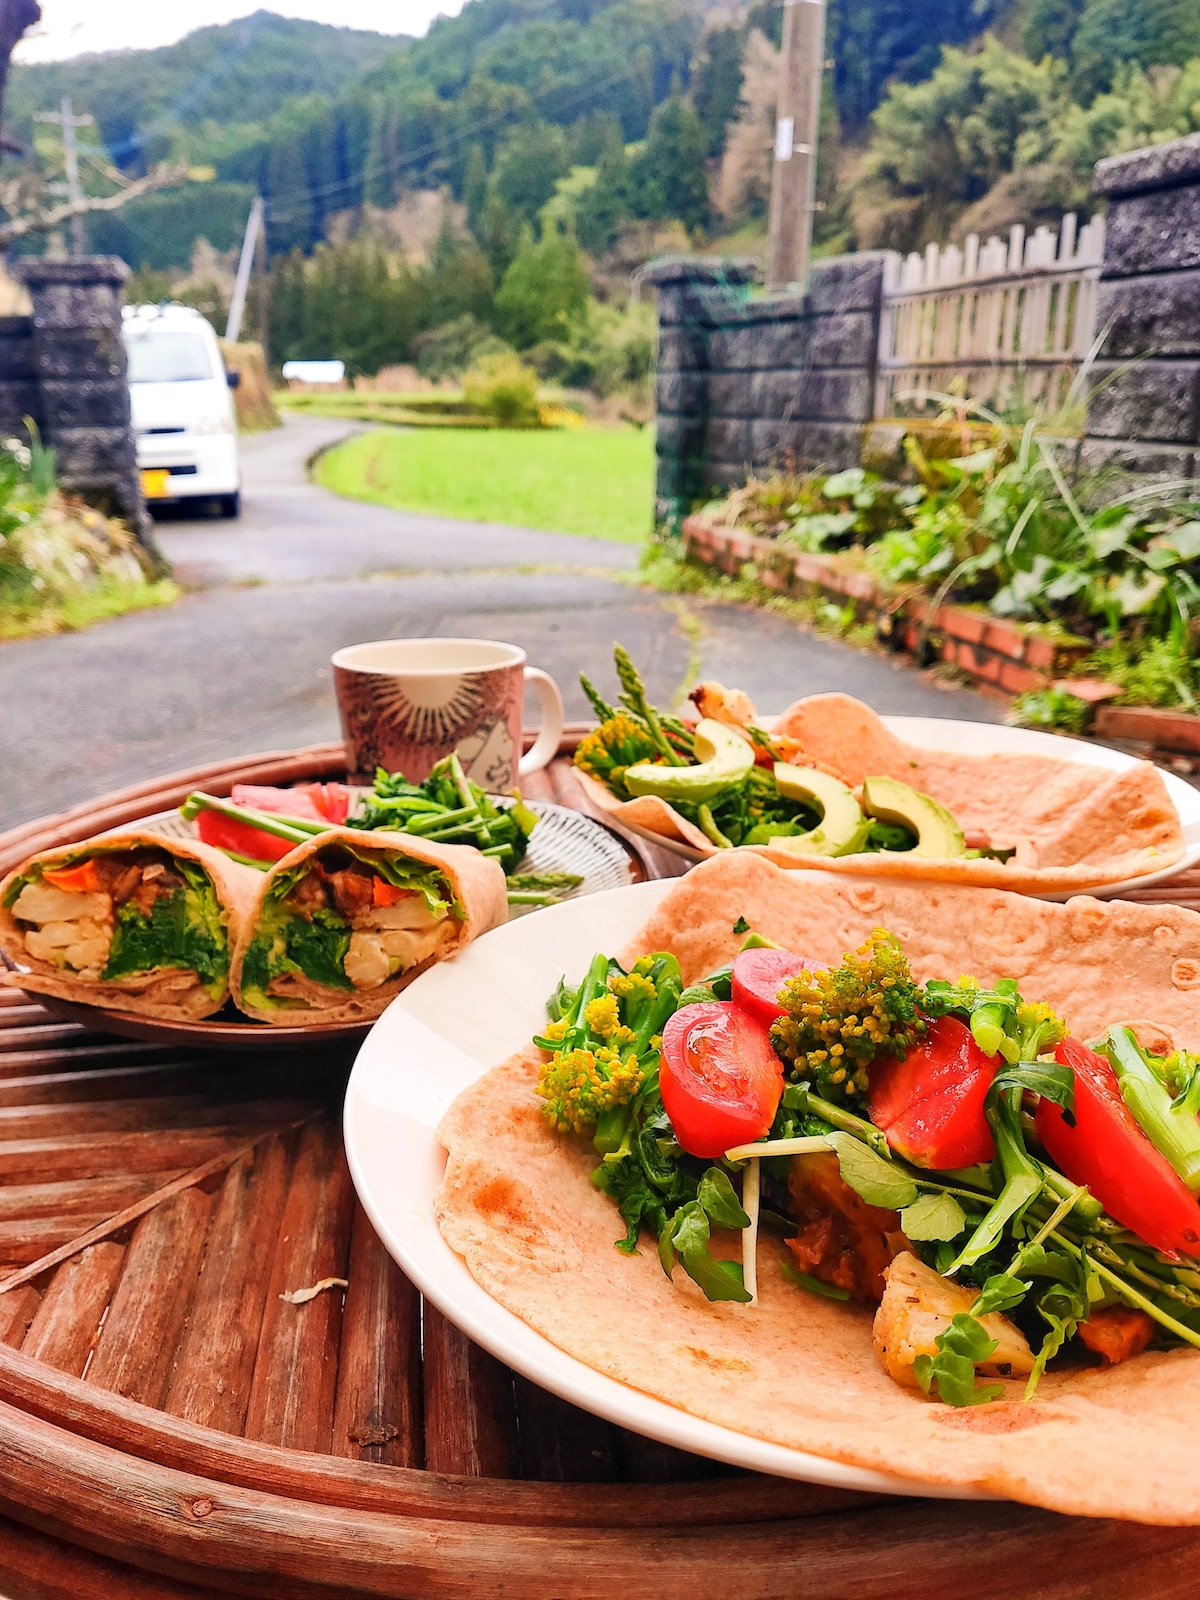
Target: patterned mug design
407, 704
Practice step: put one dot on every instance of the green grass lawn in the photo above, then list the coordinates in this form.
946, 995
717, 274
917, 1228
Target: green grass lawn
591, 480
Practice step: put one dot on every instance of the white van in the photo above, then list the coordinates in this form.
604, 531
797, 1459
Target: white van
183, 416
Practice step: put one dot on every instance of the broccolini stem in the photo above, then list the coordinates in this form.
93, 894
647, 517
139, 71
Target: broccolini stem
433, 823
634, 696
1136, 1298
1022, 1179
460, 779
1174, 1133
604, 712
845, 1120
298, 829
710, 830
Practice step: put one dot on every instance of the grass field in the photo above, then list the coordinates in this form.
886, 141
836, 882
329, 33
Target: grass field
590, 481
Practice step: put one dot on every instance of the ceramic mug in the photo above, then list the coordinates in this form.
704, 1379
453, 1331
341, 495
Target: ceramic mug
407, 703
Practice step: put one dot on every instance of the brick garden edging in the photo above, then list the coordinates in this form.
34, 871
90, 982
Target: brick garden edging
989, 650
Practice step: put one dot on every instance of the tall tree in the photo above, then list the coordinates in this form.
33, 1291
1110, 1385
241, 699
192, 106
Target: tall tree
545, 291
16, 18
670, 175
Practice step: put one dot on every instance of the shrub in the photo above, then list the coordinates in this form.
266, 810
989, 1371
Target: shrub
504, 388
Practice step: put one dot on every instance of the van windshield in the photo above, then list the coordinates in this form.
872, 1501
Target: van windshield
164, 355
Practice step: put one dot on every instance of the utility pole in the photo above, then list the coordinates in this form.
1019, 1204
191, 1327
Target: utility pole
262, 296
237, 306
69, 122
798, 118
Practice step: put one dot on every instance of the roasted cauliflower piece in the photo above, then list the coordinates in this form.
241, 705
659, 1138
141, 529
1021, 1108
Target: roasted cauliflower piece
918, 1305
713, 699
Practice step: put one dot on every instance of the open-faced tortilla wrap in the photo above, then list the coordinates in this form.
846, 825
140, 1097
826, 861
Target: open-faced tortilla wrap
795, 1369
1072, 826
131, 921
345, 920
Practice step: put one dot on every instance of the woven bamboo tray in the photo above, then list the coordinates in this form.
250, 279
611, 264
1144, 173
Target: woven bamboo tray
169, 1427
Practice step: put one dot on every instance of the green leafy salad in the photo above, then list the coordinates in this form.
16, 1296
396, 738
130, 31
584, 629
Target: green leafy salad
740, 785
1006, 1194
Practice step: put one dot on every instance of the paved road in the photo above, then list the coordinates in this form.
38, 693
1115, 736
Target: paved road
241, 663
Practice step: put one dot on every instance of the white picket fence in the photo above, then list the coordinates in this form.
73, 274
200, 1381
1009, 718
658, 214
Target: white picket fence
1003, 321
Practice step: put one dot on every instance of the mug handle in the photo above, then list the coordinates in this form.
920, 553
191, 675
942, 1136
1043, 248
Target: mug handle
545, 746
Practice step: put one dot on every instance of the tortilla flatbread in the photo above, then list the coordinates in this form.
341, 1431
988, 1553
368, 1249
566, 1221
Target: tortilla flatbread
517, 1204
168, 993
1074, 826
477, 882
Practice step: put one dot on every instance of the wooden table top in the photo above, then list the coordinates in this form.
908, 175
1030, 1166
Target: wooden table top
171, 1426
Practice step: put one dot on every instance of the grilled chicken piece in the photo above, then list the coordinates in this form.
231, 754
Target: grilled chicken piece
918, 1305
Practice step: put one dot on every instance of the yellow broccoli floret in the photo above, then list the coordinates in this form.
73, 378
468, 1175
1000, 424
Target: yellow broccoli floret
578, 1086
634, 987
835, 1023
614, 745
1038, 1029
602, 1016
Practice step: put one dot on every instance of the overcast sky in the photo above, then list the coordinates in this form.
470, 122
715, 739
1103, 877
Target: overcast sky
70, 27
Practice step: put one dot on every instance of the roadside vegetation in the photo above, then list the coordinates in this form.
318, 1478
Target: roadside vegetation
594, 481
63, 565
993, 522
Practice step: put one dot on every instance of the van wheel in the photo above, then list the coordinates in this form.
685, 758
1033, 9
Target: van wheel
231, 505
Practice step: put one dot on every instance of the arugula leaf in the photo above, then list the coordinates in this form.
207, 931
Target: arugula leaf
688, 1235
806, 1281
878, 1182
951, 1372
716, 1194
741, 926
933, 1217
1001, 1292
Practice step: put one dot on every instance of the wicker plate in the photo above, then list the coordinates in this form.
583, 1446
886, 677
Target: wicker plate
564, 841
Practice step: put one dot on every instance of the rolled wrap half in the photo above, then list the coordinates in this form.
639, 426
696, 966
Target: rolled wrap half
136, 922
347, 919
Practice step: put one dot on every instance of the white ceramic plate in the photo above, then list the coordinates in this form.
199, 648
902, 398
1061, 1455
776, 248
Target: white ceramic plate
988, 738
447, 1029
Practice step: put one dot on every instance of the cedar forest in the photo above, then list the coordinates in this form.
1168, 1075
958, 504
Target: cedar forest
542, 149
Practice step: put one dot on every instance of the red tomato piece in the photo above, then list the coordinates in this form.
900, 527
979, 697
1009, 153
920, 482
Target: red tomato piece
930, 1105
283, 802
387, 894
332, 800
1109, 1152
720, 1078
759, 975
240, 837
82, 879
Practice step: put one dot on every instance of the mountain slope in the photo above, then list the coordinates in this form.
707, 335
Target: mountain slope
234, 75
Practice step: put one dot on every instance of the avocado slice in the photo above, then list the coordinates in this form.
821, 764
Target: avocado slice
843, 828
938, 834
723, 758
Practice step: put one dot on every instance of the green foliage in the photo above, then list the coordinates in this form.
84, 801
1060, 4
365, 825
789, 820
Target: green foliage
546, 289
1055, 709
669, 174
527, 166
1113, 34
717, 85
449, 349
501, 386
183, 930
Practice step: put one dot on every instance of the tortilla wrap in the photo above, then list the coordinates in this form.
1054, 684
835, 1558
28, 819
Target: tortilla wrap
1074, 826
168, 993
797, 1370
476, 881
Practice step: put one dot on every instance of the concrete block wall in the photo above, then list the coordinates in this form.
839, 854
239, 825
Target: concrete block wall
65, 367
1144, 413
747, 382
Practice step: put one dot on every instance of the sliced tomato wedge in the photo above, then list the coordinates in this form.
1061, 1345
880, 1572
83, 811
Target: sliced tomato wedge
283, 802
930, 1105
720, 1078
387, 894
82, 879
332, 800
1109, 1152
240, 837
759, 975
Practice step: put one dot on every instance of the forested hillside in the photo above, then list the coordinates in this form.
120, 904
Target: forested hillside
499, 178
